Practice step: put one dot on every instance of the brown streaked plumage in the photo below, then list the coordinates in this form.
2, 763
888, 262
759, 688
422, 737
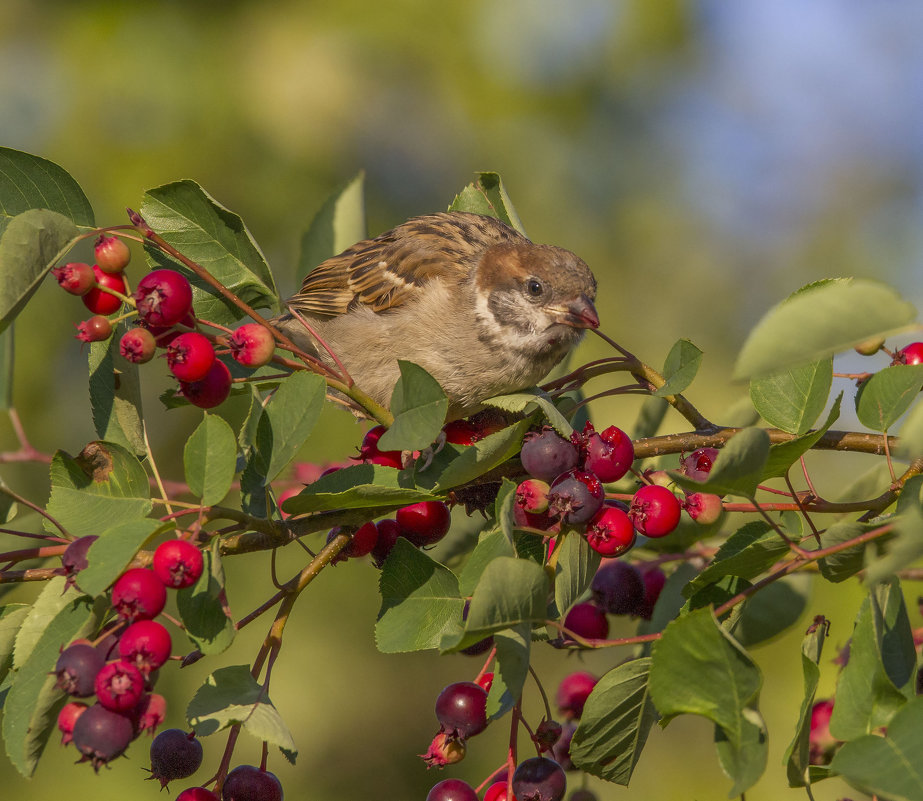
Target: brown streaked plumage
465, 296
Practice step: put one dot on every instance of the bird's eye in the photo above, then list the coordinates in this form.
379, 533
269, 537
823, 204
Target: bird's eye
534, 287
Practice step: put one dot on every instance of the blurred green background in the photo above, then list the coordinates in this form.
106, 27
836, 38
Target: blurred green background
705, 158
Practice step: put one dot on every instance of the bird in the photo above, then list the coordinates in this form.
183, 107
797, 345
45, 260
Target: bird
465, 296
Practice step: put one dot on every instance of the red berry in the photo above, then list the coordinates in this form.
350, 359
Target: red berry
610, 531
910, 354
461, 432
112, 254
697, 465
163, 297
618, 588
609, 454
497, 792
654, 581
576, 496
137, 345
190, 356
75, 277
703, 507
96, 329
546, 455
165, 334
363, 541
588, 621
197, 794
573, 691
67, 717
485, 681
369, 452
532, 496
252, 345
249, 783
461, 709
77, 668
175, 754
101, 735
146, 645
539, 779
822, 743
150, 712
654, 511
210, 391
119, 686
388, 533
178, 563
452, 790
138, 594
100, 302
424, 523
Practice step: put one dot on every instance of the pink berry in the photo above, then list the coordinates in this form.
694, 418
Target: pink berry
588, 621
249, 783
252, 345
532, 496
190, 356
100, 302
654, 511
822, 742
177, 563
137, 345
369, 452
67, 717
576, 496
497, 792
138, 594
573, 691
146, 645
461, 709
163, 297
424, 523
609, 454
703, 507
610, 531
101, 735
112, 254
210, 391
197, 794
75, 277
96, 329
697, 465
119, 686
910, 354
150, 712
444, 750
452, 790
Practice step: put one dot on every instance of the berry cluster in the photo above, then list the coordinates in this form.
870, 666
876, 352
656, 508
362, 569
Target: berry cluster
162, 307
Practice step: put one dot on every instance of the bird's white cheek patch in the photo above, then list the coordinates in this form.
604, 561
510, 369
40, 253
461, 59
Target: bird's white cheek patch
508, 336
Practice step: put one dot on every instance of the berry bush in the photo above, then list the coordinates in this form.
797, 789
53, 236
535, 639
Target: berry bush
682, 538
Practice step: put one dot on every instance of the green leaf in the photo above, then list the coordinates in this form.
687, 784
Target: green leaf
419, 407
102, 487
843, 564
891, 766
339, 223
821, 320
210, 460
113, 551
7, 354
797, 755
772, 610
907, 545
698, 669
357, 487
510, 592
783, 455
287, 421
193, 222
527, 401
744, 762
58, 616
8, 507
488, 196
615, 723
739, 466
878, 678
231, 695
12, 617
202, 607
793, 400
910, 445
882, 399
749, 551
115, 395
30, 182
680, 368
650, 417
491, 544
577, 564
31, 243
511, 669
419, 601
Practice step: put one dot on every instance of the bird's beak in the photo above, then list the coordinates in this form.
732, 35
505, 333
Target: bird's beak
579, 313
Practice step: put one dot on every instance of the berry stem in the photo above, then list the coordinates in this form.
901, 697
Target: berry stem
541, 690
35, 508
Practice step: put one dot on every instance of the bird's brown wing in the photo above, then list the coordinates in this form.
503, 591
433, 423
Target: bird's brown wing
387, 271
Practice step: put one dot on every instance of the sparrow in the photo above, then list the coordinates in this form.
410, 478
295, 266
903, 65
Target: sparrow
466, 297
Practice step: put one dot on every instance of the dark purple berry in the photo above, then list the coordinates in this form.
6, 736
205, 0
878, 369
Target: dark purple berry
618, 588
547, 733
452, 790
573, 691
101, 735
539, 779
77, 668
74, 558
461, 709
561, 749
249, 783
546, 455
654, 581
588, 621
138, 594
175, 754
197, 794
210, 391
576, 496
